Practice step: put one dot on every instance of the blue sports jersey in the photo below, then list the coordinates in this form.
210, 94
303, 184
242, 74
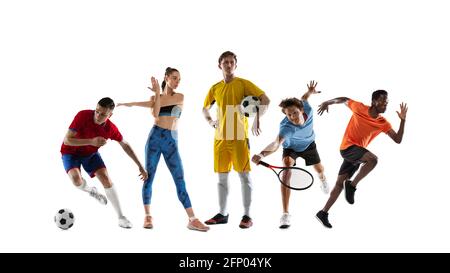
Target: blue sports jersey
298, 137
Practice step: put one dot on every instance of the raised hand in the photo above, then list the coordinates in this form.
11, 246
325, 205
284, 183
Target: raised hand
155, 85
403, 110
312, 87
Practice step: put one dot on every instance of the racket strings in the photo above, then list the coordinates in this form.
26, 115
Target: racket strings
296, 178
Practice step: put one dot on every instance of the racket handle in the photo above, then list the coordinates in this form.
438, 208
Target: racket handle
264, 163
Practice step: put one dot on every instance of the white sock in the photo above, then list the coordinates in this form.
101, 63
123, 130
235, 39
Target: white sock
114, 199
322, 177
246, 184
84, 186
223, 192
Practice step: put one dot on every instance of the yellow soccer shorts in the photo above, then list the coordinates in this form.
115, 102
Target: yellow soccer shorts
231, 153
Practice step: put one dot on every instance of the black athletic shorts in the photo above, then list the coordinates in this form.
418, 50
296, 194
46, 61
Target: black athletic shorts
352, 156
310, 154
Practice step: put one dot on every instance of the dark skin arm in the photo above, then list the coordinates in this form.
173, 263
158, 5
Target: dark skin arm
324, 106
398, 136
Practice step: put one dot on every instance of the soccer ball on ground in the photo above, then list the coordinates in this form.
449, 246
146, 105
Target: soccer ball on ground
64, 219
249, 106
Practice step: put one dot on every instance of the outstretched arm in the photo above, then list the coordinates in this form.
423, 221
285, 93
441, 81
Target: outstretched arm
147, 104
270, 149
311, 90
324, 106
127, 148
397, 137
176, 99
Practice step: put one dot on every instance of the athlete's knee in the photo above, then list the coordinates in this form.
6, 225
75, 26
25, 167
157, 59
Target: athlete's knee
288, 161
77, 180
104, 179
245, 177
223, 179
340, 181
372, 159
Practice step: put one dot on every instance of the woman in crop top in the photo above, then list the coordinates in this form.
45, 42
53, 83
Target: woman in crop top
166, 108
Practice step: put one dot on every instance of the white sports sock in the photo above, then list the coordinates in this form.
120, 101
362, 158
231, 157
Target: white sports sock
322, 177
223, 192
84, 186
246, 184
114, 199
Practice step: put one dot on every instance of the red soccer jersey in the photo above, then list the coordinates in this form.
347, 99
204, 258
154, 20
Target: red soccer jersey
84, 125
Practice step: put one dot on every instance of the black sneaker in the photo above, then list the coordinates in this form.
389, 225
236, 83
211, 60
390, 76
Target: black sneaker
218, 219
349, 192
322, 216
246, 222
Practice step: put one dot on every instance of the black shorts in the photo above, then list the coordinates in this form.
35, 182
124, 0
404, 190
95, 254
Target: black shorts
352, 156
310, 154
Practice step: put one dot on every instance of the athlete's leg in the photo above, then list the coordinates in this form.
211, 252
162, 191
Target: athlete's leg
222, 166
335, 192
246, 189
152, 156
285, 191
369, 162
102, 175
73, 163
223, 191
320, 171
240, 156
78, 180
173, 162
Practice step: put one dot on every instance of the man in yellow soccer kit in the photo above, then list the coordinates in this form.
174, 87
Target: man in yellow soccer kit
231, 144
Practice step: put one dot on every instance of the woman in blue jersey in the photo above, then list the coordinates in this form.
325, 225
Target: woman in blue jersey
298, 140
166, 107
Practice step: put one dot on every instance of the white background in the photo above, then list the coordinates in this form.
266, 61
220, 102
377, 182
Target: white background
59, 57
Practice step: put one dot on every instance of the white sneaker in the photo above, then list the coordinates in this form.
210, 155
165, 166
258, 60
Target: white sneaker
285, 220
124, 222
324, 187
100, 197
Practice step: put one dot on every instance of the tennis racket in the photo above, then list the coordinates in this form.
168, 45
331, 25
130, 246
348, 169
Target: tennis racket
292, 177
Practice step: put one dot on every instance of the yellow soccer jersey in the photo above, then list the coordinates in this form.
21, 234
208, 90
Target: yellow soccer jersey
228, 96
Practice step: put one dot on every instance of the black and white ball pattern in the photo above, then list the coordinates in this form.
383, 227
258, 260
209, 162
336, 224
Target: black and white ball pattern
249, 106
64, 219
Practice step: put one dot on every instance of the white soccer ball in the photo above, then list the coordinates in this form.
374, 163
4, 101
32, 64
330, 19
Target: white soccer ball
249, 106
64, 219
